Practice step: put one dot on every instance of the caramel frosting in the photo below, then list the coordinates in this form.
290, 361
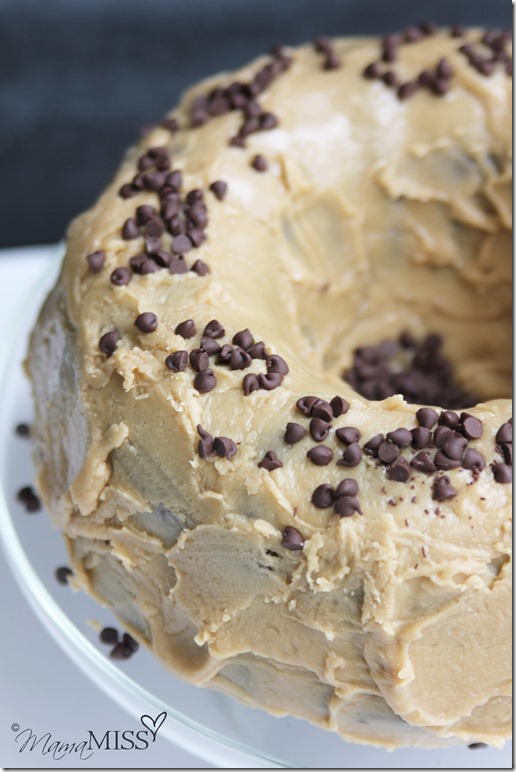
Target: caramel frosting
377, 207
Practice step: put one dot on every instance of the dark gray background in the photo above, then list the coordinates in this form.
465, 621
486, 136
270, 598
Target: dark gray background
78, 78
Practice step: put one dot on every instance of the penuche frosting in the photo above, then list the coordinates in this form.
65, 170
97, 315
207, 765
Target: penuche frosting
375, 213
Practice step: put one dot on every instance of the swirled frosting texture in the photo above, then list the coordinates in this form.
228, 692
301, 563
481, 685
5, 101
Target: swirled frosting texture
375, 215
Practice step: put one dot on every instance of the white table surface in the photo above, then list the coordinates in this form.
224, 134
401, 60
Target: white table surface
40, 687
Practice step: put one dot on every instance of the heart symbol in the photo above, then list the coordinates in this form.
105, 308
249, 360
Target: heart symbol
153, 724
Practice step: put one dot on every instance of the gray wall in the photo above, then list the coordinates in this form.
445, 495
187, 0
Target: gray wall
78, 78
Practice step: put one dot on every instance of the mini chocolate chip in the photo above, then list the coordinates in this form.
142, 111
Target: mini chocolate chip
339, 406
427, 417
502, 473
458, 31
109, 635
145, 214
449, 418
214, 329
153, 180
421, 437
387, 349
194, 196
444, 69
483, 66
128, 191
472, 427
149, 266
178, 266
399, 472
29, 498
440, 86
294, 433
181, 244
390, 78
473, 460
224, 447
455, 446
200, 268
443, 490
259, 163
121, 276
407, 90
322, 44
322, 497
250, 383
205, 381
321, 455
171, 124
401, 437
504, 434
211, 346
423, 462
268, 121
351, 456
63, 574
109, 342
347, 487
388, 452
219, 189
96, 261
199, 359
130, 644
224, 353
291, 539
239, 359
276, 364
332, 61
507, 452
412, 34
319, 429
371, 447
428, 27
22, 430
244, 339
348, 434
205, 444
197, 237
186, 329
137, 261
390, 54
177, 361
322, 409
146, 322
305, 404
130, 229
373, 71
270, 381
345, 506
152, 244
270, 461
257, 351
119, 651
154, 229
444, 462
441, 434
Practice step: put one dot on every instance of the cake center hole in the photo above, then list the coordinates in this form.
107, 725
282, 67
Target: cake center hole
417, 369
